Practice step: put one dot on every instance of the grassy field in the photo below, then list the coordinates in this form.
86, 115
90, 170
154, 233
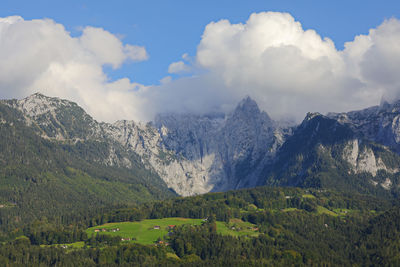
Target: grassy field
323, 210
237, 227
144, 232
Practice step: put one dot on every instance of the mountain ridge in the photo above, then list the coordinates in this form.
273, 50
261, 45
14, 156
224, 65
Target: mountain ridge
195, 154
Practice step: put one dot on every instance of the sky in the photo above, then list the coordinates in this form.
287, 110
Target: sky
134, 59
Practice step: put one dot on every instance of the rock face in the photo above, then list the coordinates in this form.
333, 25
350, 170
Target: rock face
193, 154
327, 153
230, 150
380, 124
364, 160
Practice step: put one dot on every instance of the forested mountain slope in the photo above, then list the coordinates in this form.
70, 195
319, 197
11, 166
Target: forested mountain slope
57, 158
325, 153
47, 177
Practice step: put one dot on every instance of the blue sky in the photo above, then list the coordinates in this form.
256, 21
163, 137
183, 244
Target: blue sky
290, 56
169, 29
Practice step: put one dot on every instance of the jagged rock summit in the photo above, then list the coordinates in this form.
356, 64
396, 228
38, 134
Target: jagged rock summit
230, 148
194, 154
326, 153
380, 124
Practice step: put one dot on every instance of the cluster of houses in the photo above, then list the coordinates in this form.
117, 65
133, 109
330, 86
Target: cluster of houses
162, 243
169, 228
106, 230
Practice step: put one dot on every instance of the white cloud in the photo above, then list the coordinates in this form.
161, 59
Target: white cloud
186, 57
378, 57
40, 55
136, 53
108, 49
166, 79
287, 69
178, 67
273, 59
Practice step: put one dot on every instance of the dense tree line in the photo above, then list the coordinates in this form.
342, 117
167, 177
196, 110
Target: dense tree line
242, 203
298, 238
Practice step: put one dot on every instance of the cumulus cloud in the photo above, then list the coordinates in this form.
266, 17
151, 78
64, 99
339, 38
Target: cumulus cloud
166, 79
287, 69
40, 55
290, 70
136, 53
178, 67
378, 57
272, 58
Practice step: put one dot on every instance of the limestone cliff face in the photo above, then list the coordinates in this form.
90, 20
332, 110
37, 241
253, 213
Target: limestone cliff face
364, 160
230, 148
193, 154
380, 124
326, 152
196, 154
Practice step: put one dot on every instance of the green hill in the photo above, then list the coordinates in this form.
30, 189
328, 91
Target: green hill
49, 178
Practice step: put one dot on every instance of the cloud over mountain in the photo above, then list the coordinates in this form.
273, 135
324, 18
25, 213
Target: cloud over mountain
40, 55
288, 69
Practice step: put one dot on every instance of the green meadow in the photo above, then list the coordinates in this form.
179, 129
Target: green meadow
146, 231
237, 227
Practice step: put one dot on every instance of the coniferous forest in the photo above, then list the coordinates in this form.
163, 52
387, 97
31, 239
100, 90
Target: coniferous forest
199, 133
295, 227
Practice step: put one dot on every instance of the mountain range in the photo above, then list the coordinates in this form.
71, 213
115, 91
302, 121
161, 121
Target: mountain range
52, 145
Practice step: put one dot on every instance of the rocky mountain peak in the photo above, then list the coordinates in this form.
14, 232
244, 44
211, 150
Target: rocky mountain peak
38, 104
311, 115
248, 119
199, 153
247, 108
247, 103
57, 118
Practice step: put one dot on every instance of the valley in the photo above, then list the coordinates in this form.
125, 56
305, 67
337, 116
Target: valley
265, 225
199, 133
215, 189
